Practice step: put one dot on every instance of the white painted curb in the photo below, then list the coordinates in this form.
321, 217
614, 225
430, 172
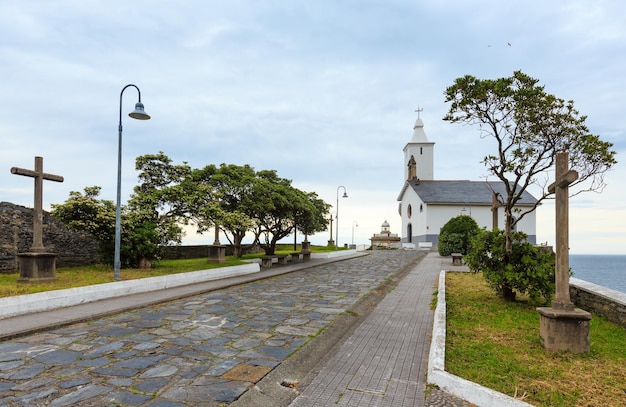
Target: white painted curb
457, 386
49, 300
332, 255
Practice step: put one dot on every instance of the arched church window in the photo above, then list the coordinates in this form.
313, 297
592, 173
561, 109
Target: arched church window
421, 208
409, 211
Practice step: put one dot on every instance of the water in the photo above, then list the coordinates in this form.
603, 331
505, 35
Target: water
605, 270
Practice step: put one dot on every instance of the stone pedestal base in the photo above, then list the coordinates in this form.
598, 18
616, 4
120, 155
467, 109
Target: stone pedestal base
306, 246
564, 330
36, 267
217, 254
331, 243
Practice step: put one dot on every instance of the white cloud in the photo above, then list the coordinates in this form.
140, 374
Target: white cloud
324, 92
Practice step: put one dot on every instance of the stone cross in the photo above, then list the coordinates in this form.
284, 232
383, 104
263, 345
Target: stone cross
495, 204
560, 188
39, 176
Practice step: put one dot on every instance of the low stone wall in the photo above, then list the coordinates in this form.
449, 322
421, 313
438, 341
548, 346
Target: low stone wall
16, 236
600, 300
198, 251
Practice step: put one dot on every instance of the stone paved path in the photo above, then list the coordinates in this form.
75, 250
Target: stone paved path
384, 362
205, 350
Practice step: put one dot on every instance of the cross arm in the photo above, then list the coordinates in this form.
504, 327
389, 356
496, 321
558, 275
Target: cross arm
29, 173
563, 181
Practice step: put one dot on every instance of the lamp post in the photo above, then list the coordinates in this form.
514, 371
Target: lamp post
345, 195
354, 223
138, 114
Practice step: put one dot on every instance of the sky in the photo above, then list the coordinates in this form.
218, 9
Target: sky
324, 92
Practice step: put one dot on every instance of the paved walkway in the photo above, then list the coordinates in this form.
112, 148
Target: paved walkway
214, 348
384, 363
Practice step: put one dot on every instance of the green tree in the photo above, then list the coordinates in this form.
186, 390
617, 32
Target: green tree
158, 201
85, 212
312, 216
224, 196
273, 209
456, 234
529, 127
527, 269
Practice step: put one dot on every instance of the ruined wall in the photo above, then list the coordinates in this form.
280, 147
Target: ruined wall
16, 236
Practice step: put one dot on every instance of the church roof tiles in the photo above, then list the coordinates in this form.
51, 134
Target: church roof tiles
461, 192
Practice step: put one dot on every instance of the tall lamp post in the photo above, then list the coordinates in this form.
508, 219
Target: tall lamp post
138, 114
354, 223
345, 195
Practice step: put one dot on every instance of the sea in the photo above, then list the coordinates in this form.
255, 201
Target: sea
606, 270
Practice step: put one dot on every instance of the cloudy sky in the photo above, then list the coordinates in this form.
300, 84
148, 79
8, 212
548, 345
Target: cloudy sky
324, 92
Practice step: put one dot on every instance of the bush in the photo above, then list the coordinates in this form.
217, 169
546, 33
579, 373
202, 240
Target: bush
455, 236
526, 270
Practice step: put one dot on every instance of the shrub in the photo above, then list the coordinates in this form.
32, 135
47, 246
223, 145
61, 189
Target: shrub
455, 236
526, 270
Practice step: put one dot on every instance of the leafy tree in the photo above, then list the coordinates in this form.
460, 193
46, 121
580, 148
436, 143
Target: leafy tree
159, 198
312, 217
85, 212
530, 127
456, 234
527, 269
223, 196
273, 209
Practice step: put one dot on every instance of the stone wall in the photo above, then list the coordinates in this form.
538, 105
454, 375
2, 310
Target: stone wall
197, 251
600, 300
16, 236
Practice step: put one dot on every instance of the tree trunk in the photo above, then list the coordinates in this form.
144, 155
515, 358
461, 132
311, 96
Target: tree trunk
507, 293
508, 230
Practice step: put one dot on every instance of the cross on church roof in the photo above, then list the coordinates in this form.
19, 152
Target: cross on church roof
419, 109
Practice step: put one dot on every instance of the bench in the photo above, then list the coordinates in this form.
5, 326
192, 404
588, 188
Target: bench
457, 259
295, 257
266, 261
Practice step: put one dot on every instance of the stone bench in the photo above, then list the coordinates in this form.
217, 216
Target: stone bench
295, 257
266, 261
457, 259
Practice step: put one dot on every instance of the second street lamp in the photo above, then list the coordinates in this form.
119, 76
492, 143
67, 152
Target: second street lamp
345, 195
138, 114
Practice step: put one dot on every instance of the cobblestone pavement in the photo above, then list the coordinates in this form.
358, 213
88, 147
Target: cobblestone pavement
205, 350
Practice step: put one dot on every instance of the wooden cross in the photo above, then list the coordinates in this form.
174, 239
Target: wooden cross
39, 176
560, 188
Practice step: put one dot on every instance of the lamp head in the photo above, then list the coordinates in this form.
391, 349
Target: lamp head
345, 194
139, 113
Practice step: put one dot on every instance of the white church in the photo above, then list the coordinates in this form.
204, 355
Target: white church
427, 204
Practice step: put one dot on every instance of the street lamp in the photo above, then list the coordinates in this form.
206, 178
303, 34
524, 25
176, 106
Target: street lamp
138, 114
345, 195
353, 225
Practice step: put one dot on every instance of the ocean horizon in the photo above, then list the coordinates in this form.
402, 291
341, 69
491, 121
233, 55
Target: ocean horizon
607, 270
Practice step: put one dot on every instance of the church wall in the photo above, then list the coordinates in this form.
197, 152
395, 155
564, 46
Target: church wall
439, 215
417, 219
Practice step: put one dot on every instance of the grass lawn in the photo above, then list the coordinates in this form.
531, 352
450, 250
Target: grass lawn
497, 344
68, 277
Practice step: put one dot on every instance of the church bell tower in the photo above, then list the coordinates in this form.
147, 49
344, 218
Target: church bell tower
418, 154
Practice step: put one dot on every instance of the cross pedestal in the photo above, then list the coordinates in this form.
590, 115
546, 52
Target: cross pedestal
217, 252
37, 265
563, 327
